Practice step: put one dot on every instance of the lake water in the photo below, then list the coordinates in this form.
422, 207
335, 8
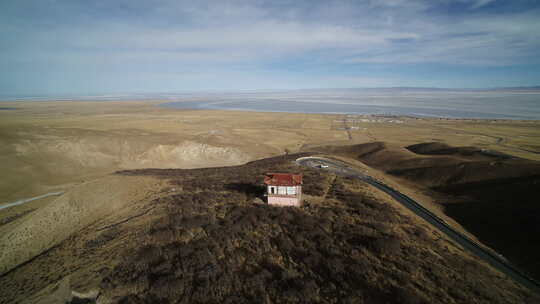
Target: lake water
429, 103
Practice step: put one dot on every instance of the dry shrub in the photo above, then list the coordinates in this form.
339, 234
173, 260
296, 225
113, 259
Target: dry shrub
386, 246
104, 237
344, 252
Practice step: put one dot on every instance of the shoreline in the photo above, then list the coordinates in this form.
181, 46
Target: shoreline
161, 105
366, 115
171, 105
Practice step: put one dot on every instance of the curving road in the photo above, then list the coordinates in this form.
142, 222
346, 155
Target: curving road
494, 260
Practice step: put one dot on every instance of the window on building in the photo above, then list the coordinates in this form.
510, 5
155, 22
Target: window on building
282, 190
272, 190
291, 190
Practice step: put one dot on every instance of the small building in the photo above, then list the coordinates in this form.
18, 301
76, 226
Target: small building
284, 189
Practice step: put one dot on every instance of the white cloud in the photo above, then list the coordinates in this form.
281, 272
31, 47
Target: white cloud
244, 32
170, 37
480, 3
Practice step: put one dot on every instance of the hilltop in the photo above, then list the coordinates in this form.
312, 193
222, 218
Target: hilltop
203, 235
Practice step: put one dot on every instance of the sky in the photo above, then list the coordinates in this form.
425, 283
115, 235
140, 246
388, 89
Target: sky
55, 47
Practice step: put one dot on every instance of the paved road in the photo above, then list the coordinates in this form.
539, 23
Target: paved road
497, 262
26, 200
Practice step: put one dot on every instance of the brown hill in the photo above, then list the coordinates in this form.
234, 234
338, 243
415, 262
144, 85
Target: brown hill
385, 156
437, 148
207, 239
493, 195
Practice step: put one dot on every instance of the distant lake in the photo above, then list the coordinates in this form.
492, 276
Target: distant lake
430, 103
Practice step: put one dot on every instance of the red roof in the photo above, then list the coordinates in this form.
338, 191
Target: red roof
283, 179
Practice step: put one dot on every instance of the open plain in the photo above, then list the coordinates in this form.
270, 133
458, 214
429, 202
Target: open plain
76, 147
47, 146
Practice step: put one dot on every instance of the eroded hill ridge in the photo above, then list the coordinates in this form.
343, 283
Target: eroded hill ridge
96, 152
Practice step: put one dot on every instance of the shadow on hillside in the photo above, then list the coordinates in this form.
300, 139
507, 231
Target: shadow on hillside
504, 214
251, 190
492, 194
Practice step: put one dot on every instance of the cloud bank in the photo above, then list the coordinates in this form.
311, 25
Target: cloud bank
105, 46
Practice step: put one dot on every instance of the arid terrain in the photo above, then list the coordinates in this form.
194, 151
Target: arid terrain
47, 146
177, 233
204, 235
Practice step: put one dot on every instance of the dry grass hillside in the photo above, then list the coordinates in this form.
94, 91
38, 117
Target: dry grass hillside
493, 195
203, 235
45, 228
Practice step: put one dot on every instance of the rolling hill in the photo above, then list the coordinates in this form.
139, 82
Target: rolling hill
492, 195
204, 236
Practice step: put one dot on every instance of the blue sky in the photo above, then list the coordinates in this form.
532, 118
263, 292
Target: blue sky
134, 46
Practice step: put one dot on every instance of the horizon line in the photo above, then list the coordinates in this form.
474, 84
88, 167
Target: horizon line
131, 94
